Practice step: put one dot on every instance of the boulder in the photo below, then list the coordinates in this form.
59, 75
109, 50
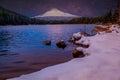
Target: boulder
61, 44
78, 54
85, 33
48, 42
84, 43
77, 36
72, 40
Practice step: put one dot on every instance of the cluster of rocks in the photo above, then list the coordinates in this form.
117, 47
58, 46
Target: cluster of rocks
77, 39
80, 40
59, 44
102, 29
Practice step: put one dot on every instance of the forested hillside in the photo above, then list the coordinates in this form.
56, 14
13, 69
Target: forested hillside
8, 17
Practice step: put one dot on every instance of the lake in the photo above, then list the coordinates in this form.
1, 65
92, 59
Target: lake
22, 50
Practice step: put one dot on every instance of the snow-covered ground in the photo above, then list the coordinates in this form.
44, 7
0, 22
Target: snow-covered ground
102, 63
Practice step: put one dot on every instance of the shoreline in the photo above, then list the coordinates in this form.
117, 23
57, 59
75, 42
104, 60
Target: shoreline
35, 63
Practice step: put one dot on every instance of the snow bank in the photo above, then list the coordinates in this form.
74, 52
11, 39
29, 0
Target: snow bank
103, 63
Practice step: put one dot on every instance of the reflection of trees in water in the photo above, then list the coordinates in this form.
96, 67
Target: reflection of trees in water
4, 38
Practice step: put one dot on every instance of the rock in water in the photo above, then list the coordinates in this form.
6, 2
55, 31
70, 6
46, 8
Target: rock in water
78, 54
61, 44
71, 40
85, 34
77, 36
48, 42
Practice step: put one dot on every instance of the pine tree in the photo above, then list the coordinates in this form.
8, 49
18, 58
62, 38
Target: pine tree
116, 16
108, 18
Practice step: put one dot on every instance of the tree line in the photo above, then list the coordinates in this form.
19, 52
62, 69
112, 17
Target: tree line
8, 17
109, 17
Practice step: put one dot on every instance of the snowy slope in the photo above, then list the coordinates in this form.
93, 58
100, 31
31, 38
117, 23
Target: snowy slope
102, 63
55, 14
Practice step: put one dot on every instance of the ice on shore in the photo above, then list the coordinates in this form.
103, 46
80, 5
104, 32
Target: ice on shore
103, 63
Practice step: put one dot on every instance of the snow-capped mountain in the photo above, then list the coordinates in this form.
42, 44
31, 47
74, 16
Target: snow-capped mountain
55, 14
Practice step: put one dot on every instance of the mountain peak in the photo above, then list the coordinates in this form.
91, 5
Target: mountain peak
57, 13
54, 9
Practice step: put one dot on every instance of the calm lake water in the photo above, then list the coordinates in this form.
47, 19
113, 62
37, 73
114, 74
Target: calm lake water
22, 49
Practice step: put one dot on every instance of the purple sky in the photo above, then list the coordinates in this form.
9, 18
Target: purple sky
78, 7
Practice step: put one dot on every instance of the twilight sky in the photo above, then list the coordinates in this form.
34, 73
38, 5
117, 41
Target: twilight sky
78, 7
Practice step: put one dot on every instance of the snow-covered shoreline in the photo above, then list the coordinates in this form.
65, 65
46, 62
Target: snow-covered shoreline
102, 63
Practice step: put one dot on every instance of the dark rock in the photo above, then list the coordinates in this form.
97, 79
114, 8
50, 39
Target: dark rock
82, 45
76, 38
85, 34
78, 44
71, 40
61, 44
48, 42
85, 45
78, 54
